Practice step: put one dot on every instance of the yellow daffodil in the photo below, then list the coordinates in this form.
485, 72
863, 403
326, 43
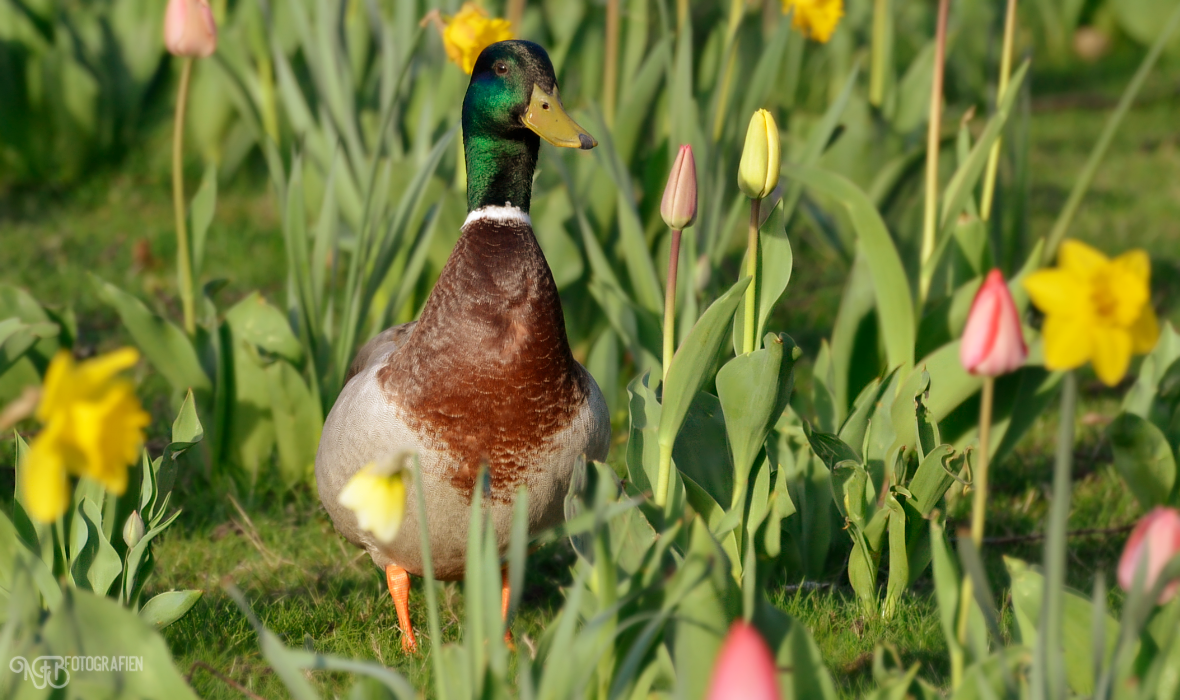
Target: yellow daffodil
815, 19
377, 496
471, 31
1096, 309
93, 427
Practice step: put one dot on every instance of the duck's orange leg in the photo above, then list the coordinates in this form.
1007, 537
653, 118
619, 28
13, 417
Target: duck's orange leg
398, 581
505, 596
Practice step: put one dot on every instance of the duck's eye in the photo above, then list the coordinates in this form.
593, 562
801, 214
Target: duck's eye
501, 68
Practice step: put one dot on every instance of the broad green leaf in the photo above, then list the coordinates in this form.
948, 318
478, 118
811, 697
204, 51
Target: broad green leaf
297, 421
168, 607
1144, 458
895, 304
691, 364
86, 623
162, 343
753, 390
931, 481
775, 261
701, 453
1027, 597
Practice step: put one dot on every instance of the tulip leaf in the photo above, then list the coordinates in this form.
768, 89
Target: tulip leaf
297, 421
1144, 458
701, 452
643, 450
895, 305
931, 480
637, 257
94, 564
775, 261
203, 207
753, 390
168, 607
162, 343
899, 563
691, 365
1027, 599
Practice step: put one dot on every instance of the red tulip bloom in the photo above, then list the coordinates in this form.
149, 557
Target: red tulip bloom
993, 343
1156, 538
745, 667
189, 29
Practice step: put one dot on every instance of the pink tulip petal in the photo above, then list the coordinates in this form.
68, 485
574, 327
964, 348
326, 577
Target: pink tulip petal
745, 668
1156, 537
993, 342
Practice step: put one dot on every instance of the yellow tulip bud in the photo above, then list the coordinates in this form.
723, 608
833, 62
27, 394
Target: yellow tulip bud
758, 170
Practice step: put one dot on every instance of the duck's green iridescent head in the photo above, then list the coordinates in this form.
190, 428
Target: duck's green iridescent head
512, 103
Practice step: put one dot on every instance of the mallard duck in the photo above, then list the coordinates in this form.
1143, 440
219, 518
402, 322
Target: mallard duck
485, 376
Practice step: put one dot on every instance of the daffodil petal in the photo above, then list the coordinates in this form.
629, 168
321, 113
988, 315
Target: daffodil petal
378, 501
44, 485
1145, 332
1079, 258
1111, 355
57, 386
1067, 341
1135, 262
1057, 292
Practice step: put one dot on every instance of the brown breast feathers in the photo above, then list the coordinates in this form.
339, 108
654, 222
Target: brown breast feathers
488, 372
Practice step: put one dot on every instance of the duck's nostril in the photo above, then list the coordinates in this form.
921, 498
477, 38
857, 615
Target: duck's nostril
545, 106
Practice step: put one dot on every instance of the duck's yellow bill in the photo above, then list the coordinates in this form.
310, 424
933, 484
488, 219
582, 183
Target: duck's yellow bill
548, 119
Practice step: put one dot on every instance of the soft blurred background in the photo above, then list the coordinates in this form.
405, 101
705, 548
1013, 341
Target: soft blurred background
293, 107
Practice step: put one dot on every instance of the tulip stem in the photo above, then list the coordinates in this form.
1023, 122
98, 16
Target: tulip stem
670, 304
752, 273
978, 514
933, 140
183, 258
610, 78
514, 14
979, 482
993, 158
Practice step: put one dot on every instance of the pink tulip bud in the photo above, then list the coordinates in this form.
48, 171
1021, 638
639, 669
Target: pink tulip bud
189, 29
679, 206
993, 343
1156, 537
745, 667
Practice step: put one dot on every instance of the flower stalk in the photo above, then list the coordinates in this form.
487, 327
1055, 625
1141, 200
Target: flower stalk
751, 318
610, 80
933, 142
993, 158
758, 173
184, 264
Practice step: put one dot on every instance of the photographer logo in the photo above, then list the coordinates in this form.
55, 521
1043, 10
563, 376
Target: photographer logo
54, 671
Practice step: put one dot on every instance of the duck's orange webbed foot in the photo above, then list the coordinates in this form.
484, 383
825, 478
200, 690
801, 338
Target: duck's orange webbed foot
505, 597
398, 581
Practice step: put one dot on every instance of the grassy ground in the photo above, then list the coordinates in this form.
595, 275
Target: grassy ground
311, 588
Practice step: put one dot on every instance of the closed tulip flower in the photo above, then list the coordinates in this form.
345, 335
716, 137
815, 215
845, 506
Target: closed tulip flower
993, 343
679, 206
1157, 539
189, 29
758, 170
745, 667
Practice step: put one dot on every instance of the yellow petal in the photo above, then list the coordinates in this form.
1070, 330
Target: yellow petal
1079, 258
1067, 342
1135, 262
1111, 355
1145, 331
44, 485
378, 501
109, 433
57, 386
96, 372
1058, 292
